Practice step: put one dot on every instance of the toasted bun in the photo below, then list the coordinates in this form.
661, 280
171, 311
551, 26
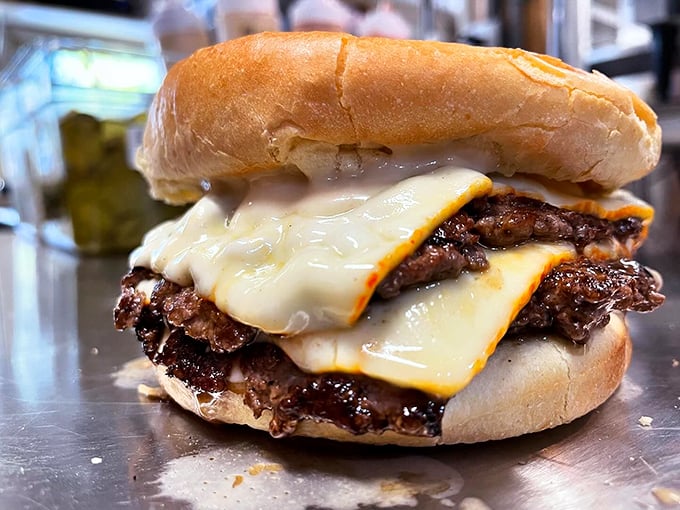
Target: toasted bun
315, 99
526, 387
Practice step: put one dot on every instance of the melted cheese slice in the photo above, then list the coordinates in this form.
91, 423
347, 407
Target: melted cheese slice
295, 255
612, 206
438, 337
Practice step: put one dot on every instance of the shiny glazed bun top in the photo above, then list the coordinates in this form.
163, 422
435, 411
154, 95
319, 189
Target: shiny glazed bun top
323, 102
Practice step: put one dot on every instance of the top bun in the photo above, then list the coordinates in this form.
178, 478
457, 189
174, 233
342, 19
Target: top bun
307, 99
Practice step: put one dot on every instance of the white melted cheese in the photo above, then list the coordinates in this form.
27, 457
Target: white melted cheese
612, 206
438, 337
297, 256
145, 287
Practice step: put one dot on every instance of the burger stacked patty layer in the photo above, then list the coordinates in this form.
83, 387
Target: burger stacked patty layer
202, 346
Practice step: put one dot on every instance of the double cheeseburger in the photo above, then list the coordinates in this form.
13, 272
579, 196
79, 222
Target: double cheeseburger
392, 241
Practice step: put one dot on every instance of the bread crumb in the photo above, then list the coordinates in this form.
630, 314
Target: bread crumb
666, 495
238, 480
646, 421
256, 469
151, 391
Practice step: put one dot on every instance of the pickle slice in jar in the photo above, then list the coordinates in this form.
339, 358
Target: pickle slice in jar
107, 202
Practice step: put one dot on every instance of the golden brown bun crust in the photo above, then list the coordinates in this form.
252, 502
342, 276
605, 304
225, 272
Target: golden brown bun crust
526, 387
274, 99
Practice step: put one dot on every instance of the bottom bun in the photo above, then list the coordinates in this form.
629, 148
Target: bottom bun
527, 385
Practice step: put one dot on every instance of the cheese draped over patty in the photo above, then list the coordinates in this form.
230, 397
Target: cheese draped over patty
299, 259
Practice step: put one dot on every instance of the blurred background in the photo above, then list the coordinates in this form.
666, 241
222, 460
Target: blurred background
77, 76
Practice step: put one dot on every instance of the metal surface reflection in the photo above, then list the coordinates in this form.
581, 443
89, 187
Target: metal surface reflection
72, 435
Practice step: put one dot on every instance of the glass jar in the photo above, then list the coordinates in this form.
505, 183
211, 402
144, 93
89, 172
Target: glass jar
72, 118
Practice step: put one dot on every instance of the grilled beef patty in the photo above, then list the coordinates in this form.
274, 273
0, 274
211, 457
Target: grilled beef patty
204, 345
499, 221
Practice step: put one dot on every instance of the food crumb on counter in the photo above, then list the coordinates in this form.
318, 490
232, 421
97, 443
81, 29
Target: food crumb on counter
96, 460
238, 480
675, 363
151, 391
646, 421
258, 468
666, 495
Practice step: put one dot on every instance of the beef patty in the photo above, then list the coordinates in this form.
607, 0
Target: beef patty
500, 221
203, 345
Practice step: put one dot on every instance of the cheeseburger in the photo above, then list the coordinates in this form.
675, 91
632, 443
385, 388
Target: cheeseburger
401, 242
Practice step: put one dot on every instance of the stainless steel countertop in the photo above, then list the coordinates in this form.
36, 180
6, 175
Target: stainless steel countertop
74, 432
